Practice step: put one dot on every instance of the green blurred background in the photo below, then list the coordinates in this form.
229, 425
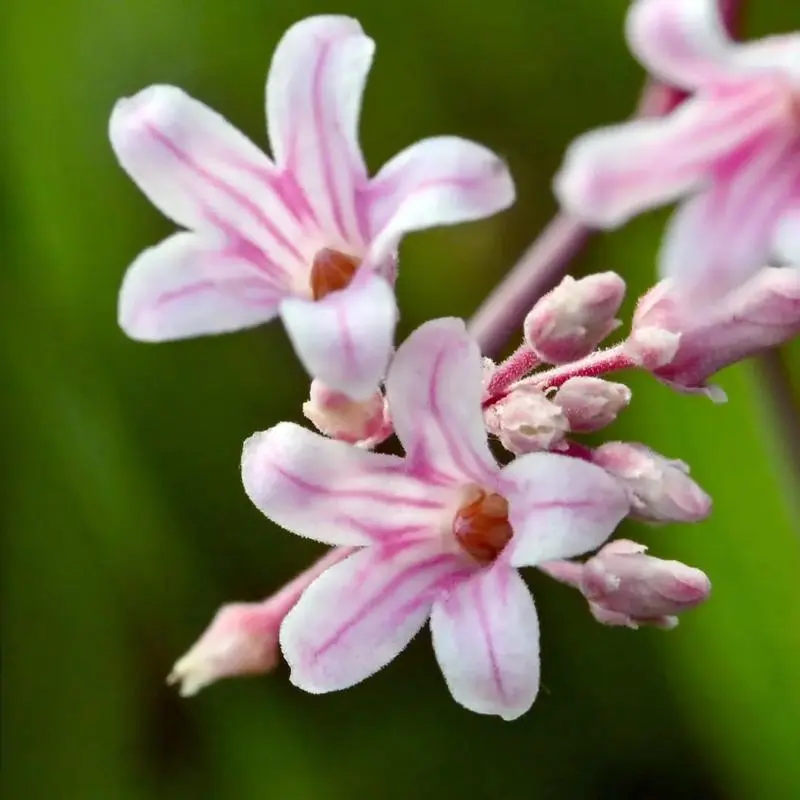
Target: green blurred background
124, 523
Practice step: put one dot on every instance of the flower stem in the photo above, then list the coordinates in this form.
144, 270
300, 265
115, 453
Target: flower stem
601, 362
516, 366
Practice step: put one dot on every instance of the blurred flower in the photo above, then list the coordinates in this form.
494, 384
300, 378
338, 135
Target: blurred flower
526, 421
626, 587
363, 423
307, 236
685, 353
590, 404
242, 639
660, 489
442, 530
733, 148
572, 319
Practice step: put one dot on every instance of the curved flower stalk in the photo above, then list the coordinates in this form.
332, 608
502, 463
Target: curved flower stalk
731, 151
306, 235
442, 532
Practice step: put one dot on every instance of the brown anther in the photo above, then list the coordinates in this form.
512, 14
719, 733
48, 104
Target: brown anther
481, 525
331, 271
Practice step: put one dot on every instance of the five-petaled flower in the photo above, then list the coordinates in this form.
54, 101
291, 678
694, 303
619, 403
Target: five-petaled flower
307, 235
442, 531
732, 149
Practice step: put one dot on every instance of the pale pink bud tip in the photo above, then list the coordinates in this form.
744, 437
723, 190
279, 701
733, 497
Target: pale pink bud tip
659, 489
242, 639
364, 423
572, 319
526, 421
591, 403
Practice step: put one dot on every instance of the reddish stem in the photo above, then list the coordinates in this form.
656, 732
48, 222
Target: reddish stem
516, 366
598, 363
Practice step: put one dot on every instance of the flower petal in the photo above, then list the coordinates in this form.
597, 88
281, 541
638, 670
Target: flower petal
361, 613
314, 93
681, 41
787, 235
720, 238
194, 284
777, 54
346, 338
486, 638
201, 172
335, 493
613, 173
559, 507
434, 389
438, 181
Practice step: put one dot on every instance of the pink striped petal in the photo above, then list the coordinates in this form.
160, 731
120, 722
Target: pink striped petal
314, 93
194, 284
434, 390
335, 493
204, 174
361, 613
612, 174
681, 41
345, 340
559, 507
486, 638
720, 238
438, 181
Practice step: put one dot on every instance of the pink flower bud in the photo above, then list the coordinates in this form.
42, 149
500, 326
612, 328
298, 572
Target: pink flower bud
684, 351
659, 489
572, 319
526, 421
363, 423
591, 403
625, 586
242, 639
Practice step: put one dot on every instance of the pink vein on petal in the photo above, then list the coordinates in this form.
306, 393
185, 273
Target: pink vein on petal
225, 188
372, 605
483, 621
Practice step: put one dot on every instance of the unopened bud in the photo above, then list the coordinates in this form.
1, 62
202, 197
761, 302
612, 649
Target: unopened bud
363, 423
684, 346
624, 586
659, 489
591, 403
526, 421
572, 319
242, 639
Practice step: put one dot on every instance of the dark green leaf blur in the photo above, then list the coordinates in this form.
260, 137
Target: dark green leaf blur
124, 522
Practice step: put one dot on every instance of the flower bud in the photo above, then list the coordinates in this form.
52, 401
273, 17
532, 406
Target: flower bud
659, 489
363, 423
526, 421
591, 403
242, 639
626, 587
684, 349
572, 319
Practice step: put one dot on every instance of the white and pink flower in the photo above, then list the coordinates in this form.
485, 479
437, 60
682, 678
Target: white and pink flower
306, 235
441, 533
732, 149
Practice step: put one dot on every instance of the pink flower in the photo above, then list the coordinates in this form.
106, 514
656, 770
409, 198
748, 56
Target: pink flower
442, 531
732, 149
307, 235
685, 352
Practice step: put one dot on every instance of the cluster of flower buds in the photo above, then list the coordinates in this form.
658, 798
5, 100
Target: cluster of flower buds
438, 535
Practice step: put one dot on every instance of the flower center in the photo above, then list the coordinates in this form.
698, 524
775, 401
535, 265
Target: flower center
331, 271
481, 525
